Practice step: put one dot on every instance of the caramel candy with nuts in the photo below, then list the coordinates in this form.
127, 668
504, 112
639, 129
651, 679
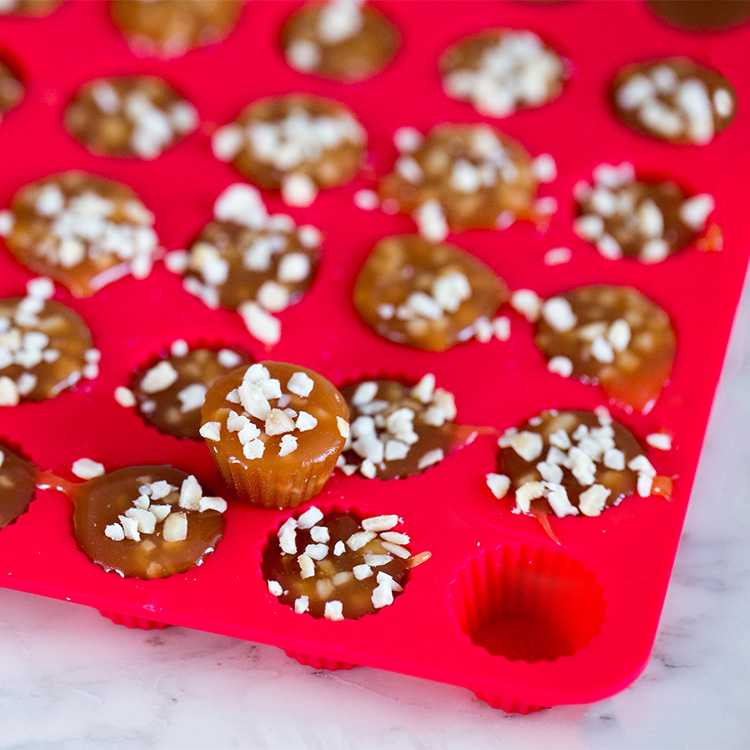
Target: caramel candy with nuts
172, 27
345, 40
17, 484
501, 71
245, 255
613, 336
82, 230
146, 521
11, 89
397, 430
34, 8
674, 99
275, 431
297, 143
337, 565
572, 463
45, 348
627, 217
462, 177
702, 15
170, 392
133, 116
415, 292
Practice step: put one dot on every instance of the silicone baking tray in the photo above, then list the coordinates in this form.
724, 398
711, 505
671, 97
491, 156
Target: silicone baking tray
583, 613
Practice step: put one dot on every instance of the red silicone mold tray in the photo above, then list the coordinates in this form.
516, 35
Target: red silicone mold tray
500, 608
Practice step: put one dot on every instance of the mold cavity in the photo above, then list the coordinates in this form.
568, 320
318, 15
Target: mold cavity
527, 604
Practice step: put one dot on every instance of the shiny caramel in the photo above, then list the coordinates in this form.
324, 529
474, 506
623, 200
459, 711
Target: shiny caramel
37, 244
683, 69
273, 480
335, 165
198, 368
171, 27
60, 364
333, 579
353, 58
390, 396
636, 374
99, 502
511, 192
17, 484
621, 483
401, 266
105, 116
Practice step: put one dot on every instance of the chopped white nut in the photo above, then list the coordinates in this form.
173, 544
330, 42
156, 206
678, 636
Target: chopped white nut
309, 518
190, 494
211, 431
218, 504
499, 485
334, 610
379, 523
660, 440
528, 445
85, 468
431, 458
591, 502
125, 397
301, 604
306, 566
362, 571
274, 587
288, 445
343, 427
560, 366
382, 595
300, 384
159, 378
305, 422
175, 527
115, 532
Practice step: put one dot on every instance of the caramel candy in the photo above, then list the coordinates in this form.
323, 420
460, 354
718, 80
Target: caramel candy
501, 71
675, 100
29, 7
571, 463
397, 430
170, 393
45, 348
246, 256
431, 296
146, 521
82, 230
609, 335
275, 431
626, 217
298, 143
337, 565
17, 484
133, 116
169, 28
702, 15
462, 177
11, 89
345, 40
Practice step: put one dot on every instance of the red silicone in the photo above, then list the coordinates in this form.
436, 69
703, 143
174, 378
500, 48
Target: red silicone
581, 617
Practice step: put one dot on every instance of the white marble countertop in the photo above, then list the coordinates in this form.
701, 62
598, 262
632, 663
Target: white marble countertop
72, 680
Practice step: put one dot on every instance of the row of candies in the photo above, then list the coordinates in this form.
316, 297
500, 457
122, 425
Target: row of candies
85, 232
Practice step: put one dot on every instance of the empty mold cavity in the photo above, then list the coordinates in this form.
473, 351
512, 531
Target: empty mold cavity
528, 604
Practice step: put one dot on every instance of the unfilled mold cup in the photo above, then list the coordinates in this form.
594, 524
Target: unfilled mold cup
528, 604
